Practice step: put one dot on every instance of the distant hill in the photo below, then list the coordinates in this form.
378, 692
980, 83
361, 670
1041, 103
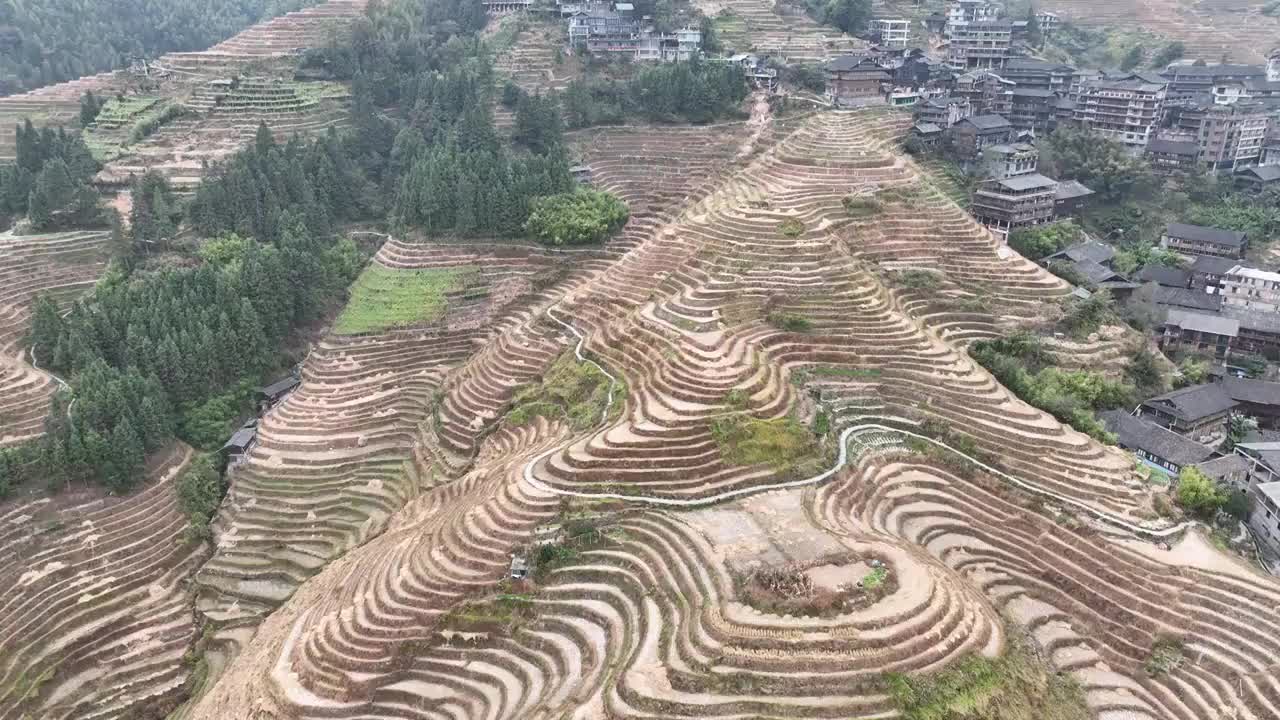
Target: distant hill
55, 40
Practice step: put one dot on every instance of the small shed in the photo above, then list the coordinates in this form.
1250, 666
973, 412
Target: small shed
276, 391
241, 442
519, 567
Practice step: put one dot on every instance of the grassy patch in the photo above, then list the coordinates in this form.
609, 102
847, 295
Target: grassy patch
804, 375
384, 297
918, 279
791, 322
573, 391
791, 228
781, 443
319, 90
1166, 655
503, 612
1017, 686
860, 207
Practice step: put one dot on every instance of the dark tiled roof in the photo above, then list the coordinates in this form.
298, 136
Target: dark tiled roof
1139, 434
1213, 265
1032, 92
987, 122
1265, 173
1167, 276
1027, 182
280, 386
1193, 403
241, 439
1260, 392
1215, 70
1072, 189
1173, 147
847, 63
1219, 468
1095, 251
1201, 233
1189, 298
1255, 320
1202, 322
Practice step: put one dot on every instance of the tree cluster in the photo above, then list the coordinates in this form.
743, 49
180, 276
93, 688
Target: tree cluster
51, 41
576, 218
851, 16
49, 180
695, 91
1028, 370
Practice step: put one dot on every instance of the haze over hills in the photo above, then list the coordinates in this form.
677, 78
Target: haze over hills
452, 359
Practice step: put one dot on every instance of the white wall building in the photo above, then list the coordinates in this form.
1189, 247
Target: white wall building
893, 33
1252, 288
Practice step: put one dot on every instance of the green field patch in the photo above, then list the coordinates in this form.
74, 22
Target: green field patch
1015, 686
319, 90
781, 443
384, 297
574, 391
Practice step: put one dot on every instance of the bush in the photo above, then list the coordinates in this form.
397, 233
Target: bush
919, 279
511, 94
1042, 240
576, 218
1199, 495
790, 322
200, 490
860, 206
810, 77
791, 228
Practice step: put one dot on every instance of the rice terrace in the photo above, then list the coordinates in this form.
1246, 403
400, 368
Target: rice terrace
550, 360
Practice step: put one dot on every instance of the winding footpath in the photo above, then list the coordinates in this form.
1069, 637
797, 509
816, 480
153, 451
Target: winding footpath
842, 459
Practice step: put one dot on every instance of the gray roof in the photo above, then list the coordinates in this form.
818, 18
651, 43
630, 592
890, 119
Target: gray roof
1265, 173
1092, 271
846, 63
1202, 233
1193, 403
1271, 490
1202, 323
1259, 392
1251, 319
927, 128
1033, 64
1095, 251
1216, 70
1072, 189
1173, 147
987, 122
1213, 265
241, 439
1167, 276
1219, 468
1189, 298
280, 387
1027, 182
1033, 92
1139, 434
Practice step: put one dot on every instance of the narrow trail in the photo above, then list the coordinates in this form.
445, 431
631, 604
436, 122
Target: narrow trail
36, 364
527, 473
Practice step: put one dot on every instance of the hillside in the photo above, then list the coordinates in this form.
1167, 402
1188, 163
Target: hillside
50, 42
731, 458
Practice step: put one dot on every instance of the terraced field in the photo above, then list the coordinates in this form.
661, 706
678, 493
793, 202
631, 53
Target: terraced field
1209, 29
386, 586
776, 29
219, 119
96, 619
63, 265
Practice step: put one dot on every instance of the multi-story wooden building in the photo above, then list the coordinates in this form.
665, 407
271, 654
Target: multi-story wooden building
857, 80
1009, 203
1201, 240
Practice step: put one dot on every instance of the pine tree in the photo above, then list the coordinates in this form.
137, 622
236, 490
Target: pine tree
47, 327
127, 456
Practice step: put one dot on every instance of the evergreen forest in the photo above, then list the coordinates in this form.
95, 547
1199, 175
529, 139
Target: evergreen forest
52, 41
